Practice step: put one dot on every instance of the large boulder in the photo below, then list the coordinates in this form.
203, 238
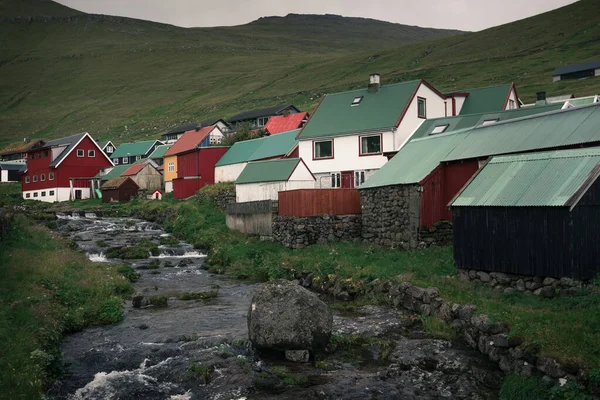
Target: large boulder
285, 316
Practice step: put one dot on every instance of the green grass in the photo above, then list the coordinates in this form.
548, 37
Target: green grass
517, 387
47, 290
125, 79
10, 194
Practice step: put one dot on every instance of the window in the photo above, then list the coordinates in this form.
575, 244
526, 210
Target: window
35, 178
172, 166
439, 129
27, 179
116, 161
51, 193
51, 176
359, 178
43, 194
109, 149
421, 107
35, 194
323, 149
370, 145
125, 160
262, 121
38, 155
91, 153
356, 101
489, 121
46, 153
31, 156
336, 180
137, 158
27, 195
80, 153
42, 177
511, 104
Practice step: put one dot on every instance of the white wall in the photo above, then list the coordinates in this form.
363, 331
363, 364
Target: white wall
60, 194
168, 186
229, 173
268, 190
513, 97
4, 176
460, 102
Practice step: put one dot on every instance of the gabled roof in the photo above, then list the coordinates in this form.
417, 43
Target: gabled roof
259, 149
69, 143
116, 183
471, 120
11, 166
115, 172
268, 171
193, 125
19, 147
486, 99
285, 123
557, 178
189, 141
420, 156
380, 110
262, 112
159, 152
134, 169
134, 149
576, 68
103, 143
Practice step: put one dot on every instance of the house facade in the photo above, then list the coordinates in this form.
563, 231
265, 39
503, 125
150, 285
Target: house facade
171, 136
257, 119
119, 189
17, 152
196, 169
10, 171
129, 153
577, 71
145, 175
62, 169
107, 147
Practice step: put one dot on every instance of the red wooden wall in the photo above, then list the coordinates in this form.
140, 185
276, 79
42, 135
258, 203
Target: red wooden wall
307, 202
198, 164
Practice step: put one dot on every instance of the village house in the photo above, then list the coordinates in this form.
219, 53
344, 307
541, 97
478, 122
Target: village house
257, 119
196, 169
286, 123
483, 100
405, 202
577, 71
62, 169
263, 180
543, 209
129, 153
145, 174
18, 151
119, 189
107, 147
171, 136
9, 171
233, 162
195, 138
158, 154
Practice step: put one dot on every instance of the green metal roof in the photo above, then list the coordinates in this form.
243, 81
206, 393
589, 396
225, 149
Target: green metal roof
258, 149
335, 115
538, 179
133, 149
114, 173
467, 121
583, 101
159, 151
268, 171
485, 100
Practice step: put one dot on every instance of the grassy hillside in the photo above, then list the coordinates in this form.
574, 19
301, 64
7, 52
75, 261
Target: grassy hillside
121, 78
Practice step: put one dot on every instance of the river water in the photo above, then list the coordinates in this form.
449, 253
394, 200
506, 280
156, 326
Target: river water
198, 349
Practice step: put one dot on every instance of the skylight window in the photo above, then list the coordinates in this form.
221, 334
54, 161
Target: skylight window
357, 101
439, 129
489, 121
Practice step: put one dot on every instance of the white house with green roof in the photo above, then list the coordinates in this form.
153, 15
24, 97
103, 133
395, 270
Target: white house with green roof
263, 180
345, 140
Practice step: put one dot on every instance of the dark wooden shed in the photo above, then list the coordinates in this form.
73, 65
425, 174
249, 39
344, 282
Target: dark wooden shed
119, 189
532, 214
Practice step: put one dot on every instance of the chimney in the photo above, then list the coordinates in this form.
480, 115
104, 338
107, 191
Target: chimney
540, 98
374, 83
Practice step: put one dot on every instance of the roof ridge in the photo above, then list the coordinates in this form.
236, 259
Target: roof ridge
546, 155
498, 112
382, 86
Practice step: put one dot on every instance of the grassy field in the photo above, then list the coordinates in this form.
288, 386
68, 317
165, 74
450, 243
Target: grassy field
47, 290
120, 78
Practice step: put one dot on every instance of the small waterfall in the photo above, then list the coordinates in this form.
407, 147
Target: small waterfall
97, 257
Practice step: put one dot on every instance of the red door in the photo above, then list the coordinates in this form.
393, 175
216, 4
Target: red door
347, 179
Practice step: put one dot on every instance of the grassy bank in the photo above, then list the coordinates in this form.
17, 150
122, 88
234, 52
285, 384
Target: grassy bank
565, 328
47, 290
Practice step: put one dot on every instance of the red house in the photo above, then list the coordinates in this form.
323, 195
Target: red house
196, 169
61, 169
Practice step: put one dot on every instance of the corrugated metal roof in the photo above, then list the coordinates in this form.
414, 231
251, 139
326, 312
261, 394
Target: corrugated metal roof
268, 171
115, 172
134, 169
133, 149
11, 166
336, 115
538, 179
576, 68
69, 142
159, 151
284, 123
189, 141
485, 100
258, 149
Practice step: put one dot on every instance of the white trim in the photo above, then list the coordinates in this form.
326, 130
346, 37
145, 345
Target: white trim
77, 144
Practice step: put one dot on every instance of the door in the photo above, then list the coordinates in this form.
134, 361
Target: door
347, 179
77, 194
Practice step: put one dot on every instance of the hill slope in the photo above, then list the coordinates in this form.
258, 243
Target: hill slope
122, 78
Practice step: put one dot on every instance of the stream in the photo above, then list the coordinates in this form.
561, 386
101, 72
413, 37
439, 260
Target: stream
199, 349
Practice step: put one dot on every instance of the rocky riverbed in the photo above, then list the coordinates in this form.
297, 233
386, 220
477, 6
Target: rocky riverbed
187, 338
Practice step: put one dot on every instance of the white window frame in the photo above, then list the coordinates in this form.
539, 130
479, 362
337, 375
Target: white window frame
315, 143
356, 101
424, 100
42, 177
125, 160
489, 122
43, 194
171, 166
35, 194
439, 129
51, 193
138, 158
109, 149
27, 195
336, 179
27, 179
116, 161
35, 178
51, 176
91, 153
80, 153
359, 178
360, 145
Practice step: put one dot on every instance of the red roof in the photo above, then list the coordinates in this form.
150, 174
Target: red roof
284, 123
189, 140
134, 169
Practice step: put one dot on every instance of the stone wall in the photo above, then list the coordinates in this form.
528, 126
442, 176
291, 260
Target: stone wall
300, 232
390, 216
509, 283
221, 198
440, 234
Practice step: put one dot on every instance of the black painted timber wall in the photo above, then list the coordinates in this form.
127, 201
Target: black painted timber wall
541, 241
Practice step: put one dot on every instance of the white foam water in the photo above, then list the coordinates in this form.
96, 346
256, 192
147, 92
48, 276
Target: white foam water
95, 257
188, 254
90, 215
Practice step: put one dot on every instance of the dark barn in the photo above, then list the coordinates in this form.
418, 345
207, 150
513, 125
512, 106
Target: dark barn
119, 189
534, 214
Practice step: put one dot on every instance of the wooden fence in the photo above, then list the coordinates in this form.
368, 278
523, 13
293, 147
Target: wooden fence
308, 202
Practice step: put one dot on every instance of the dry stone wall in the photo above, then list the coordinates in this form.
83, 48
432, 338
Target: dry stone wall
300, 232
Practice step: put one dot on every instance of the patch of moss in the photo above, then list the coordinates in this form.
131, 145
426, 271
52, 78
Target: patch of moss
154, 264
101, 243
158, 301
201, 372
198, 295
129, 273
168, 241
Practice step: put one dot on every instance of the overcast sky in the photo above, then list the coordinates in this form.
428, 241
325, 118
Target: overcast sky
471, 15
